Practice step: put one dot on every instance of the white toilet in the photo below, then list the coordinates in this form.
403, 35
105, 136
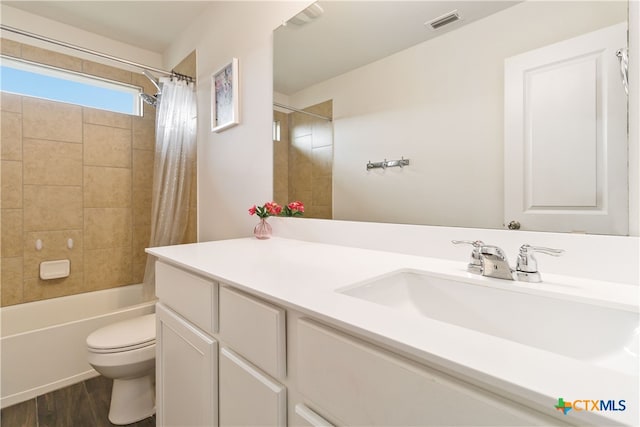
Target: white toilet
125, 351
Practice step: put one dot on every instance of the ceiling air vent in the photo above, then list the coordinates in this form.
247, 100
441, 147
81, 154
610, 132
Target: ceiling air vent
443, 20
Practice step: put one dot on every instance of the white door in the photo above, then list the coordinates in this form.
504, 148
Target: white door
566, 136
247, 396
186, 373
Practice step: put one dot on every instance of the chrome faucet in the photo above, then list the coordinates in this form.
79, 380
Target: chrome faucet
491, 261
527, 266
495, 263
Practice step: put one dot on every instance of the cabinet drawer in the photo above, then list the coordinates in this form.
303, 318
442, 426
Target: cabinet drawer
359, 384
194, 297
248, 397
255, 329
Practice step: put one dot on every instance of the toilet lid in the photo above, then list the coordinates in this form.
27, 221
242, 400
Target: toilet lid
126, 335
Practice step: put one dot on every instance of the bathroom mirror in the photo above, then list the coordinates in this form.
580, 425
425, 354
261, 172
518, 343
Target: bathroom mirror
398, 89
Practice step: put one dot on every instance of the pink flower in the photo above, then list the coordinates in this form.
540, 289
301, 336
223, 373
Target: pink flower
296, 206
252, 210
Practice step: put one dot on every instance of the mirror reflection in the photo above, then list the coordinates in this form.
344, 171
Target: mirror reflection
507, 113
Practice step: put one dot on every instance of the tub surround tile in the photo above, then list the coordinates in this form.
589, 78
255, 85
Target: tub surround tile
106, 71
144, 134
10, 102
12, 192
106, 118
48, 57
51, 120
141, 236
12, 289
107, 146
36, 289
106, 187
107, 228
50, 207
11, 233
10, 47
54, 247
52, 163
107, 268
11, 135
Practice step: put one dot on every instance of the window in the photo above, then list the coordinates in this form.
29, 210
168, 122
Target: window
41, 81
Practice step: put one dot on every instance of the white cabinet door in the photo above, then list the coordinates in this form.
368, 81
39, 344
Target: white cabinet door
186, 373
247, 396
566, 136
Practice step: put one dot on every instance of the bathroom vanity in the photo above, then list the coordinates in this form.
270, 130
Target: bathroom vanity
285, 332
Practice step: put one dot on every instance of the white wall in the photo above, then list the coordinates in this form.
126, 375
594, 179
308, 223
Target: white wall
235, 167
439, 103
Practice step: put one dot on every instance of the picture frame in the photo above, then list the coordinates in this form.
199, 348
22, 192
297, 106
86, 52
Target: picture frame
225, 111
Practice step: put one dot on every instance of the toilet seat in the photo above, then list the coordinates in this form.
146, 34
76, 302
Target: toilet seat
123, 336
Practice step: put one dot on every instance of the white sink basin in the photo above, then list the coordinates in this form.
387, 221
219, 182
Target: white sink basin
604, 336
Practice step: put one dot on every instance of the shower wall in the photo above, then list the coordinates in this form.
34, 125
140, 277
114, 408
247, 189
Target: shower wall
303, 160
73, 172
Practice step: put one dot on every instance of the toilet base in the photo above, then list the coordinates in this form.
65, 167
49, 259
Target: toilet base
132, 400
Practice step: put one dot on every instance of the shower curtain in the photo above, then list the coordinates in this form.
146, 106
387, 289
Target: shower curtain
174, 159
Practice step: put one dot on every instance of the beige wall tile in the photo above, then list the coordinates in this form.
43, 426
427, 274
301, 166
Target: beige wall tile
141, 234
51, 120
36, 289
11, 232
10, 102
49, 57
11, 139
106, 187
322, 161
11, 281
142, 186
107, 146
107, 228
52, 207
187, 65
299, 125
321, 194
106, 118
106, 71
107, 268
144, 134
10, 47
322, 133
12, 192
138, 272
52, 162
54, 247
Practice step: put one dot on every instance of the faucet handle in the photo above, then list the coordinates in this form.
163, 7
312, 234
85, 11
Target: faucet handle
527, 266
475, 263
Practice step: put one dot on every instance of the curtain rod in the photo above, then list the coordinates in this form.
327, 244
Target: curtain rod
89, 51
286, 107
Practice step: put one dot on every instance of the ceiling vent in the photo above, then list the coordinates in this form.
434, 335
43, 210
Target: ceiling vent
441, 21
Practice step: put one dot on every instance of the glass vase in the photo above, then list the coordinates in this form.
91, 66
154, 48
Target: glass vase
262, 230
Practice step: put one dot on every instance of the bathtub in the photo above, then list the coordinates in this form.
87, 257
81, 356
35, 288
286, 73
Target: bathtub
43, 343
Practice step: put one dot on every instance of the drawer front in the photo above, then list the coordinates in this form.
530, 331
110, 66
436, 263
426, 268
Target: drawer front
356, 383
194, 297
255, 329
248, 397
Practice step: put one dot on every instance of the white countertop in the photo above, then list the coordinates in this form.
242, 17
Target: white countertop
304, 276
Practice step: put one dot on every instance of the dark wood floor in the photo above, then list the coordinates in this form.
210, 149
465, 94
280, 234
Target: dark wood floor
84, 404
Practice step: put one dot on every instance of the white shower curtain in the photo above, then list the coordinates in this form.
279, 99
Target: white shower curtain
172, 171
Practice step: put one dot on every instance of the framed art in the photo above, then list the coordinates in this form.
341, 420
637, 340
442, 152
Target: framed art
224, 97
